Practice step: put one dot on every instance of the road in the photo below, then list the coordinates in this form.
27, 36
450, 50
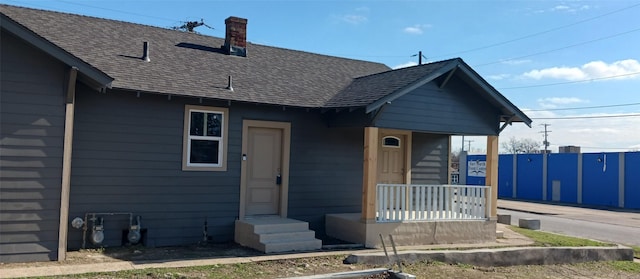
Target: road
603, 225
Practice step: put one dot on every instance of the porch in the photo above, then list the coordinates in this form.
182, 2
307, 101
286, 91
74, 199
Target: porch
420, 215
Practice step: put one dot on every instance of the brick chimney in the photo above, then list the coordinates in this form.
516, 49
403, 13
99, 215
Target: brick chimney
235, 42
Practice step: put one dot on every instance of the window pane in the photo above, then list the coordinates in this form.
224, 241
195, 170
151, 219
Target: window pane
197, 124
391, 141
204, 151
214, 124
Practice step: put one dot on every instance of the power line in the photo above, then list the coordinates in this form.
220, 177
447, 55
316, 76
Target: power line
538, 33
90, 6
587, 117
561, 48
117, 11
592, 107
570, 82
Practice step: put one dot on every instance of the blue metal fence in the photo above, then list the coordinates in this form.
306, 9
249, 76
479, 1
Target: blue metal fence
632, 180
562, 177
599, 179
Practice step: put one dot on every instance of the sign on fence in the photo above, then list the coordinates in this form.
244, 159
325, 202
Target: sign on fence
477, 168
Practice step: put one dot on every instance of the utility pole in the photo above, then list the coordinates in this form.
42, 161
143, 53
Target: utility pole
546, 133
462, 149
469, 144
420, 56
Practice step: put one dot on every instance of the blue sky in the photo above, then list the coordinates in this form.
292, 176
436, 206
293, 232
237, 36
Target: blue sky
547, 57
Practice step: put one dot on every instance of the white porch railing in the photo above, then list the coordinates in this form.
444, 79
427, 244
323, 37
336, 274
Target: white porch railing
402, 202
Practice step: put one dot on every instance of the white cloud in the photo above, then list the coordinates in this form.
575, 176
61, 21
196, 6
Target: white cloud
357, 16
404, 65
416, 29
594, 130
562, 100
560, 8
623, 69
554, 102
354, 19
573, 8
567, 8
499, 76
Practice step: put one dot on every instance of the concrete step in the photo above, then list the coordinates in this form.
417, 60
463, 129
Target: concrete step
278, 225
286, 236
273, 235
304, 245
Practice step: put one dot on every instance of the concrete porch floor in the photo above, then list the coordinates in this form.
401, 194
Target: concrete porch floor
350, 227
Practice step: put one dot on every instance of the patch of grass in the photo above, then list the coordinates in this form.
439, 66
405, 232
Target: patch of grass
626, 266
464, 266
636, 251
557, 240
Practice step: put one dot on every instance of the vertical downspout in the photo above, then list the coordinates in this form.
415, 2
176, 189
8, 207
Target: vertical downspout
66, 163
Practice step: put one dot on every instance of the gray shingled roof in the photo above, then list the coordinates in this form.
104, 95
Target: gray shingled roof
192, 64
368, 89
195, 65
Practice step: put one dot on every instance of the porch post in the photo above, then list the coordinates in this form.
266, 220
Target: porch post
66, 164
370, 171
492, 175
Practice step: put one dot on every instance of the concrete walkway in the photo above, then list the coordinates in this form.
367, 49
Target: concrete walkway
510, 239
614, 217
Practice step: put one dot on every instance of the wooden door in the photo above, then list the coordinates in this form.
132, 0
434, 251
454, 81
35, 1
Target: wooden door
391, 159
264, 170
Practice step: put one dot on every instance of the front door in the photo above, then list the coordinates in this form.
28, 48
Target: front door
263, 173
391, 159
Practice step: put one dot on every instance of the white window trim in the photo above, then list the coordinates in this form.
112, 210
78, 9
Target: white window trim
186, 144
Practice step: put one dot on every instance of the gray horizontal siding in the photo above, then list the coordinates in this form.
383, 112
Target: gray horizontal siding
429, 158
31, 137
454, 109
326, 171
127, 157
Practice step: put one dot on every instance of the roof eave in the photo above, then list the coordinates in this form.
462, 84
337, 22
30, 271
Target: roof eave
504, 102
407, 89
97, 78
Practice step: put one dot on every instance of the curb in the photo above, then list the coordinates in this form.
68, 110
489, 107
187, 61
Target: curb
505, 256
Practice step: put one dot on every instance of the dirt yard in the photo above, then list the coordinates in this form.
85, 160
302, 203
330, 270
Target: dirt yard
310, 266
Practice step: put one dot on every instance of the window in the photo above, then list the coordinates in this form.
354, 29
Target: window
205, 138
390, 141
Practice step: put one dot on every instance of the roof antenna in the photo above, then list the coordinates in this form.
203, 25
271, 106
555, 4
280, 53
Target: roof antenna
189, 26
230, 86
145, 52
